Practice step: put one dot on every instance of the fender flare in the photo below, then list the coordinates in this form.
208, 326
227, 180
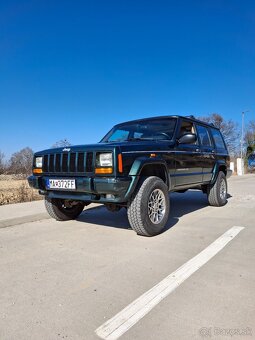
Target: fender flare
216, 168
142, 162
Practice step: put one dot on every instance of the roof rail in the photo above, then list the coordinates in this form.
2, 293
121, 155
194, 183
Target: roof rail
193, 117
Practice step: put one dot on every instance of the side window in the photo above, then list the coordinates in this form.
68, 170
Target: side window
138, 134
204, 136
187, 127
218, 139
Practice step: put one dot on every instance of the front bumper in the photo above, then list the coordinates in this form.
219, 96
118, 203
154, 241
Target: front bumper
89, 188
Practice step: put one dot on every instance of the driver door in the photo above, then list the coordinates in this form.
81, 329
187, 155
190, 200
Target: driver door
188, 158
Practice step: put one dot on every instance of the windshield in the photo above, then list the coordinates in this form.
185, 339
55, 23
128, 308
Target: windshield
156, 129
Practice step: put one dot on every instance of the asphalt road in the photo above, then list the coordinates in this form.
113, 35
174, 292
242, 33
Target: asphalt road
63, 280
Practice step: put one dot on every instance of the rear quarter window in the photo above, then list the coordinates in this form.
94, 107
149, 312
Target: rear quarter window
218, 139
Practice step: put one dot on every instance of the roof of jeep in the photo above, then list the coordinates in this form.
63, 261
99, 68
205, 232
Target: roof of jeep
191, 118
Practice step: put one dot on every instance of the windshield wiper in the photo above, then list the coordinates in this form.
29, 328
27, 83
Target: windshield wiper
139, 138
133, 139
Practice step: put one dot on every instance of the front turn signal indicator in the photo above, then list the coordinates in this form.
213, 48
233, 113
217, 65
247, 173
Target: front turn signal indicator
120, 163
101, 171
37, 171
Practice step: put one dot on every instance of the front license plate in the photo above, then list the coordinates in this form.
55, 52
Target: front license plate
68, 184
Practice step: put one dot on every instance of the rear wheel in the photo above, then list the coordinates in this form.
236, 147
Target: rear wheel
217, 193
63, 210
148, 210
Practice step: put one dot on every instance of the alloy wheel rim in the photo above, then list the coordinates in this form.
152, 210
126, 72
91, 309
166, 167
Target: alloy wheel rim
156, 206
223, 189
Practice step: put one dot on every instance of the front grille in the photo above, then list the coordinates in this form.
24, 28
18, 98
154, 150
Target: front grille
80, 161
51, 165
72, 162
75, 162
45, 163
65, 162
57, 164
89, 162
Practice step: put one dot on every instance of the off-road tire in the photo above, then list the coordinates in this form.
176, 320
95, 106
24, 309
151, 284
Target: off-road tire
138, 210
215, 194
56, 209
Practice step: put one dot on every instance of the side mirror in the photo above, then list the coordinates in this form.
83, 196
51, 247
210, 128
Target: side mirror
188, 138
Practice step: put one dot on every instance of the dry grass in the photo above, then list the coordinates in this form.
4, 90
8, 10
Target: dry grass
16, 190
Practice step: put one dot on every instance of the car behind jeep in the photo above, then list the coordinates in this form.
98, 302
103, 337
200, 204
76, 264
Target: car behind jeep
135, 166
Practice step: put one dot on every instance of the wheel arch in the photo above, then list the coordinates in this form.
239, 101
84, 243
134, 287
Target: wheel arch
219, 166
145, 167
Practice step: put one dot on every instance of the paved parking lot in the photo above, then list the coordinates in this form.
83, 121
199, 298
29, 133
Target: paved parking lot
64, 280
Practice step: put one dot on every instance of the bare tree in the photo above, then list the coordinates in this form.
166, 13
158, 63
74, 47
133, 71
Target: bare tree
228, 128
61, 143
252, 125
21, 161
3, 165
250, 133
250, 138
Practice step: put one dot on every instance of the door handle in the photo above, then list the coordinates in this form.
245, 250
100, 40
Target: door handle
197, 150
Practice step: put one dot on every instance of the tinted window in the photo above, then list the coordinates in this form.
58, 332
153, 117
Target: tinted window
218, 139
203, 136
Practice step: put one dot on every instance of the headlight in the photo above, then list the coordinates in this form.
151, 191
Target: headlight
105, 159
38, 162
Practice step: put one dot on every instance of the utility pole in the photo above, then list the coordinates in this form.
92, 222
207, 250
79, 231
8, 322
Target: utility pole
242, 137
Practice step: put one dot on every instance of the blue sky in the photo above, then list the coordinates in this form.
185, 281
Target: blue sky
72, 69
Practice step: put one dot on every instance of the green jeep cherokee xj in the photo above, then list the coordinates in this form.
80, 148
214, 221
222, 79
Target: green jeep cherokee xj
135, 166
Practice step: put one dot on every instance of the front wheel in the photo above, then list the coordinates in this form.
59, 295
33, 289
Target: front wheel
63, 210
148, 210
217, 193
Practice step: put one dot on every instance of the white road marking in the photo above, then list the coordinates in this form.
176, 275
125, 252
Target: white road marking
129, 316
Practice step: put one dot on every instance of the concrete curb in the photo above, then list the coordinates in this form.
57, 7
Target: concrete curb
24, 219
